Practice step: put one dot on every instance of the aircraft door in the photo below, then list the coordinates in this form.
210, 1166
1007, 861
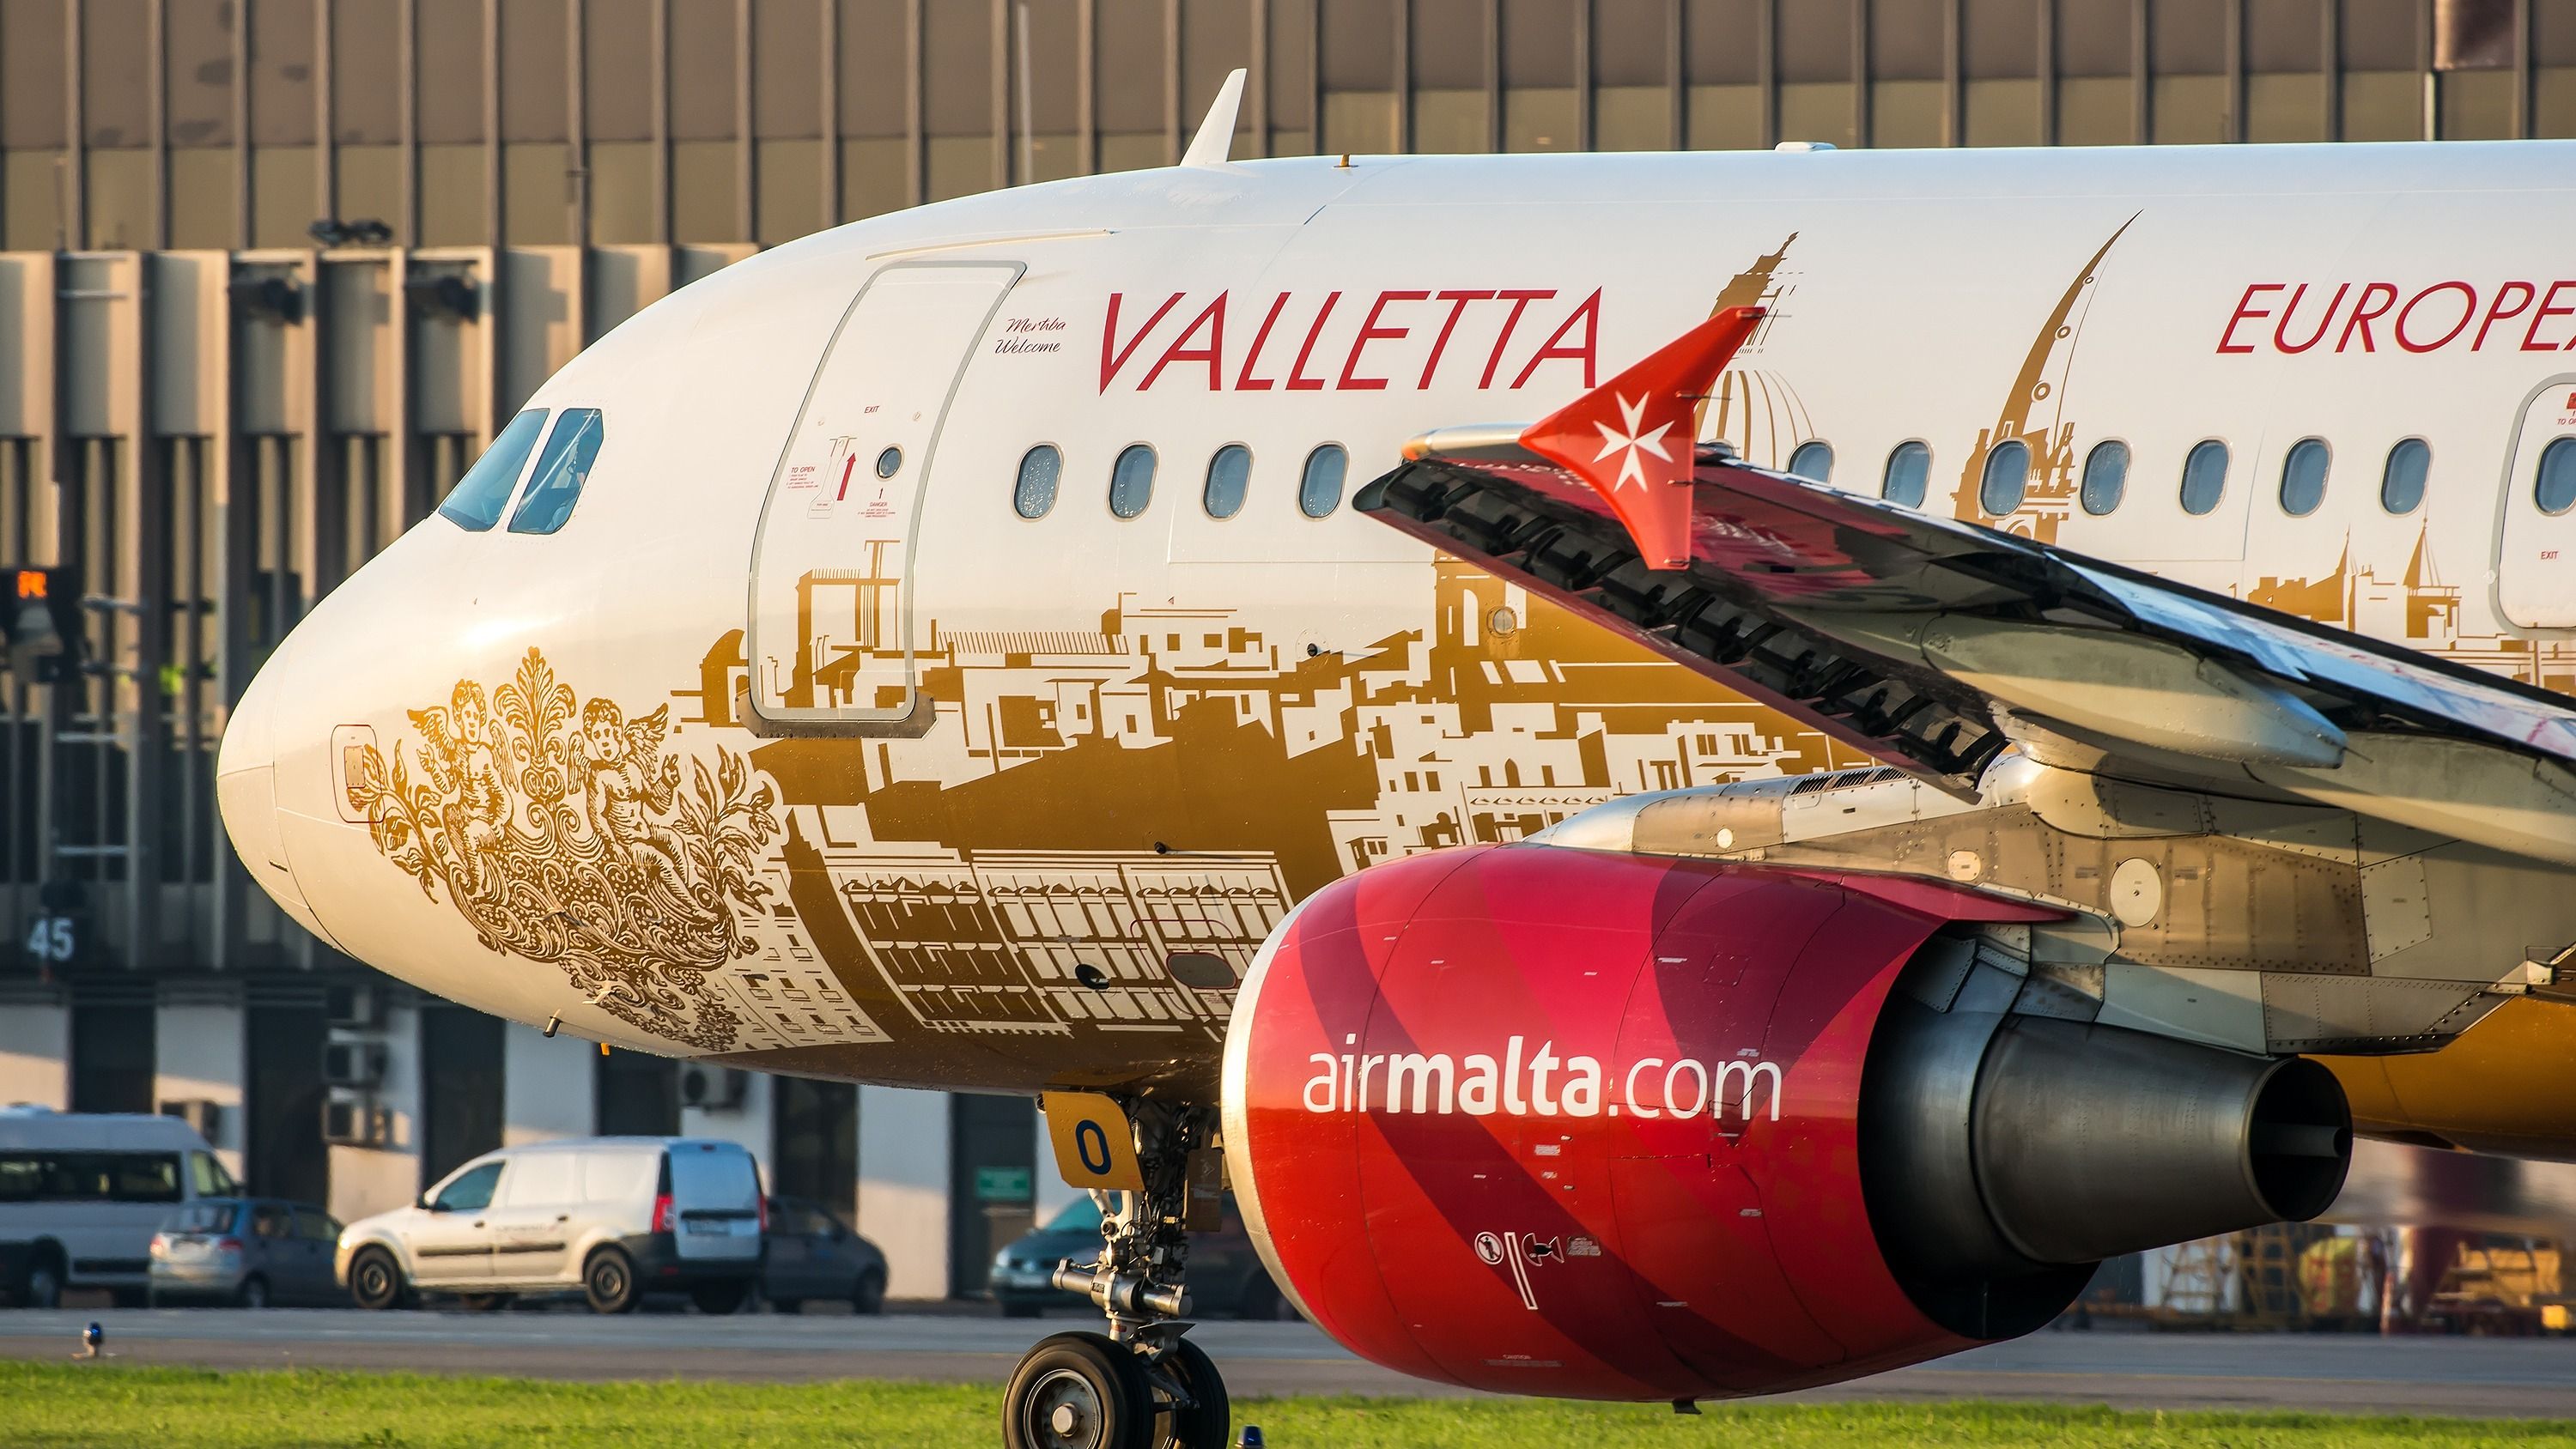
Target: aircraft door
2536, 539
828, 632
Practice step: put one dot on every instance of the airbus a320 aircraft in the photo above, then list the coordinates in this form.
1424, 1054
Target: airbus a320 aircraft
1694, 774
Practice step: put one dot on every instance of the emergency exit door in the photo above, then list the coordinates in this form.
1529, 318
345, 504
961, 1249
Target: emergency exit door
2536, 542
828, 636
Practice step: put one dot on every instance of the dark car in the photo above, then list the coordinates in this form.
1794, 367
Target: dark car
247, 1251
814, 1257
1225, 1273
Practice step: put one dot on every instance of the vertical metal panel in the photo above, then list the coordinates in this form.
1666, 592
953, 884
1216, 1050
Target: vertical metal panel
156, 84
827, 50
1677, 72
2330, 66
662, 120
2142, 90
2235, 42
1583, 86
1954, 90
494, 227
999, 73
2521, 69
1401, 17
1861, 97
1257, 83
1086, 122
1493, 77
2046, 19
746, 173
1766, 61
407, 72
326, 146
1172, 81
241, 126
577, 119
187, 320
75, 168
916, 179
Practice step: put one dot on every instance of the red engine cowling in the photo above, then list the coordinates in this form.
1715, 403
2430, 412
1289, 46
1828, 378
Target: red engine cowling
1553, 1122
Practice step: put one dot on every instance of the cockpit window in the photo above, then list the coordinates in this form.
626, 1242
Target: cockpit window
561, 470
475, 503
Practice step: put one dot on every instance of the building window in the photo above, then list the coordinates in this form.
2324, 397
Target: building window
1814, 460
2007, 477
1131, 481
475, 503
1034, 494
1229, 475
2554, 488
2401, 484
1320, 491
2204, 477
1909, 469
2303, 477
2106, 476
572, 449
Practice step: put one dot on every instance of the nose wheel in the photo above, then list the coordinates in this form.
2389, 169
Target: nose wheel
1085, 1391
1141, 1385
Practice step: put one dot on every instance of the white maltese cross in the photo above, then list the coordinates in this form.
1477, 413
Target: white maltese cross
1632, 442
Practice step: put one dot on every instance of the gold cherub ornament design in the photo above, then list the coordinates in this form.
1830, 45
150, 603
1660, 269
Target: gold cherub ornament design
567, 836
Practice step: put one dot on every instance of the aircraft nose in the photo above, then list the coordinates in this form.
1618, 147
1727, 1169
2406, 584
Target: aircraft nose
246, 784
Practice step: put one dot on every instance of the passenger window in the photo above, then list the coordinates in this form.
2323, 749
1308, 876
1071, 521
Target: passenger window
470, 1193
2106, 477
2007, 477
1814, 460
147, 1177
1034, 494
1909, 469
2204, 477
2303, 477
272, 1220
889, 462
475, 503
562, 468
2401, 484
1131, 482
1229, 476
1319, 492
207, 1175
2554, 489
316, 1227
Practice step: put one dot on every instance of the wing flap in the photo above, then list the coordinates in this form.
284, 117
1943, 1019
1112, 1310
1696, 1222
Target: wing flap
1932, 643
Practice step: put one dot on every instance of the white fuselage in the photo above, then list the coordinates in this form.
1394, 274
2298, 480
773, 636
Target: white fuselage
997, 752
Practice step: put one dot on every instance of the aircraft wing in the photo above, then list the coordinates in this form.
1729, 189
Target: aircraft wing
1933, 644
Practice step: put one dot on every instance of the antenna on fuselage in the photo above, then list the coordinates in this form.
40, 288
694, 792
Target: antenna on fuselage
1214, 143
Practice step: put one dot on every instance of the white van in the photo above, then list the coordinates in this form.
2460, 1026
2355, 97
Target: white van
82, 1193
615, 1217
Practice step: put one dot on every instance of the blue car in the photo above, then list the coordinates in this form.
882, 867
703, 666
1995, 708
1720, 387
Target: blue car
246, 1251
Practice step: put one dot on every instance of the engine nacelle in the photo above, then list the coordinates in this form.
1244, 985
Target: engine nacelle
1555, 1122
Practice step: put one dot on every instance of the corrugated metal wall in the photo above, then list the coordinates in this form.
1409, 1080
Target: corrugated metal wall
217, 439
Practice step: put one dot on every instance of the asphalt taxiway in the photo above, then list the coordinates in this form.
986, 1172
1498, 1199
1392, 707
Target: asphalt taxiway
2519, 1378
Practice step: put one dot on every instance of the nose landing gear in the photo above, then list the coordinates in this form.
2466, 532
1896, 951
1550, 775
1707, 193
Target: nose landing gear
1142, 1385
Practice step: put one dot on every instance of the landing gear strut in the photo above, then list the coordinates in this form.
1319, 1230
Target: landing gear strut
1141, 1385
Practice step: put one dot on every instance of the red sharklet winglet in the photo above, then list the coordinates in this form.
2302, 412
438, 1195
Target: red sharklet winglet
1633, 438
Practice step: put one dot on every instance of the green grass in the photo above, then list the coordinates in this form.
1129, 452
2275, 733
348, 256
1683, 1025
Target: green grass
83, 1404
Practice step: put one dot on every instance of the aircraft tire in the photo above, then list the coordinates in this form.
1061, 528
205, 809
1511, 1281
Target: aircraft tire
1206, 1424
1078, 1391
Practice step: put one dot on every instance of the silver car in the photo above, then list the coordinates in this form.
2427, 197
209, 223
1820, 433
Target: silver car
249, 1252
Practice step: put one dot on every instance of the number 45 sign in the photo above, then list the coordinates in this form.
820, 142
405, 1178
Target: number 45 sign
52, 940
